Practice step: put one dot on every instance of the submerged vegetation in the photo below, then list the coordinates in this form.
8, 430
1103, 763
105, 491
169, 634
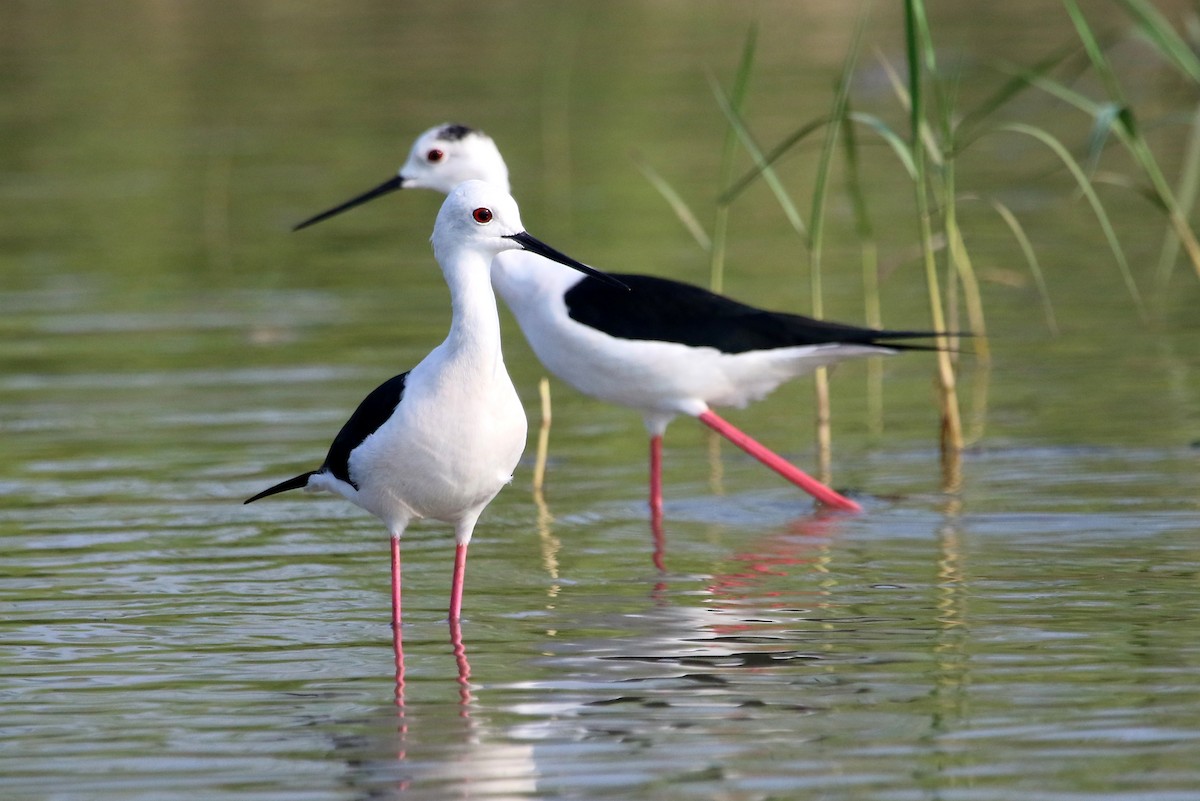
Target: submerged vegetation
936, 135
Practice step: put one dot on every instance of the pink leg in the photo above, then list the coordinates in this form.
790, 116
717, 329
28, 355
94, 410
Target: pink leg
396, 583
772, 460
660, 542
399, 693
397, 637
464, 667
460, 652
656, 500
456, 584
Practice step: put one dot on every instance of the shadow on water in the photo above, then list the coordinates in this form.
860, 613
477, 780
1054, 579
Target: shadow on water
920, 644
757, 655
466, 748
823, 646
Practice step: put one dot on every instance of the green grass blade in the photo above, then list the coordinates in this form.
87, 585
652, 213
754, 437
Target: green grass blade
1126, 127
1031, 259
951, 434
863, 227
890, 137
901, 91
964, 268
854, 184
1166, 196
968, 127
821, 183
677, 203
1095, 52
865, 231
768, 173
816, 238
1085, 186
741, 83
920, 40
1155, 27
771, 156
914, 12
1056, 89
1186, 191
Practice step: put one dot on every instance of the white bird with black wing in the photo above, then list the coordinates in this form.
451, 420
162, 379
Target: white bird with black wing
664, 348
441, 440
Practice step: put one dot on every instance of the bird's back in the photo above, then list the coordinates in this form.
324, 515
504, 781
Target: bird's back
664, 310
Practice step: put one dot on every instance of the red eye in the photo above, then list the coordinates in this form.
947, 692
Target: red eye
483, 216
435, 155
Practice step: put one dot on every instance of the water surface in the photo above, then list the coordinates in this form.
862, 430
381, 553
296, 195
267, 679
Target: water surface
169, 349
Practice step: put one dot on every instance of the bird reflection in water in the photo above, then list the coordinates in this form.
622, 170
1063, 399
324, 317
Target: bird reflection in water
458, 648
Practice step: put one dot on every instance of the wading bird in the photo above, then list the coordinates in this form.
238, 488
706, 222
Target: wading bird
665, 348
441, 440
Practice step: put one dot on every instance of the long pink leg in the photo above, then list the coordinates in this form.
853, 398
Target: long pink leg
397, 635
777, 463
460, 651
464, 667
456, 584
660, 542
396, 583
656, 499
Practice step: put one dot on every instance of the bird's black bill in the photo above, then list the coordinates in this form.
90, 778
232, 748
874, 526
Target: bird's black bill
296, 482
535, 245
387, 187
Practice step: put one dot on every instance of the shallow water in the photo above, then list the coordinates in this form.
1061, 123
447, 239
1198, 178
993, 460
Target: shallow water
169, 350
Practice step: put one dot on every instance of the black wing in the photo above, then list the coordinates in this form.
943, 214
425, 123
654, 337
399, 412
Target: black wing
374, 410
672, 311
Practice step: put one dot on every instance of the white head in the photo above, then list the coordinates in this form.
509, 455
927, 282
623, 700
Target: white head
484, 219
445, 156
440, 159
477, 216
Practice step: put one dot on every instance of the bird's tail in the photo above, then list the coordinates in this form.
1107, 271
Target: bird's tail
298, 482
887, 339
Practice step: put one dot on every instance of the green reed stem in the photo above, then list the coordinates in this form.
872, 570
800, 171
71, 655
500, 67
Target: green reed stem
915, 38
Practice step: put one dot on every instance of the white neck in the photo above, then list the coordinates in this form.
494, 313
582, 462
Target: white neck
475, 323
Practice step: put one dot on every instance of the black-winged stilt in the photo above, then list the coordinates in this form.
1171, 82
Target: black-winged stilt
441, 440
665, 348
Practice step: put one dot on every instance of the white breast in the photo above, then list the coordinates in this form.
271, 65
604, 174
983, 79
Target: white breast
451, 445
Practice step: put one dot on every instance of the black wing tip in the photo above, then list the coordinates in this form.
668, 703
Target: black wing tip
910, 347
886, 339
296, 482
888, 334
615, 283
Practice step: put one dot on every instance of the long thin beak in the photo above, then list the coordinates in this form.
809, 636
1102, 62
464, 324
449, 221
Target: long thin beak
387, 187
535, 245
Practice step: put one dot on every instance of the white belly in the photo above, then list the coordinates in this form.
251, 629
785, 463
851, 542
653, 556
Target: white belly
451, 445
660, 377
